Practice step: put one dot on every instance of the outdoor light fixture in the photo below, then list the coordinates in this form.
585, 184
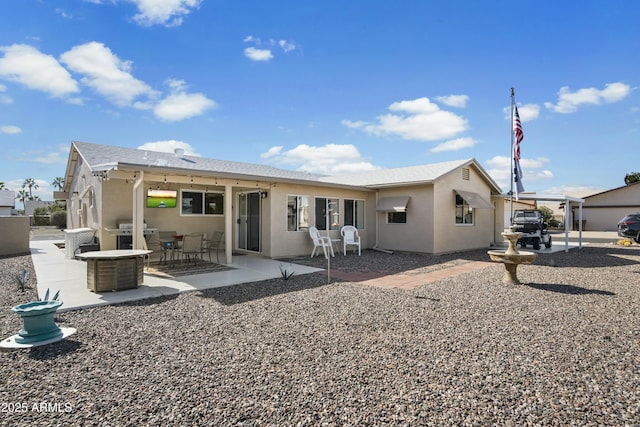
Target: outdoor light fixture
264, 194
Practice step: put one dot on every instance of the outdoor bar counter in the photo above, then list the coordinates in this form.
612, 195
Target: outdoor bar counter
114, 270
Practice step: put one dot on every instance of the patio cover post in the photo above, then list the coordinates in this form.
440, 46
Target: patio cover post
228, 223
138, 211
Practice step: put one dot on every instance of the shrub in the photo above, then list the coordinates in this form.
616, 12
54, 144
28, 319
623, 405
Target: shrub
59, 219
40, 217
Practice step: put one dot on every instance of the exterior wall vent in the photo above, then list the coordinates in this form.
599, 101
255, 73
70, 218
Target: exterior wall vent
465, 174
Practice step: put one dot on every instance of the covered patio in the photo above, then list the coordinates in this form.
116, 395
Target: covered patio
566, 200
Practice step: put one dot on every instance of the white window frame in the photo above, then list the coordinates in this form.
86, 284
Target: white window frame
466, 210
334, 225
354, 219
299, 212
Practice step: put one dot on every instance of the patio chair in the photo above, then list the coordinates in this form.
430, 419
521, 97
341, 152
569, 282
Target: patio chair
191, 246
214, 242
165, 242
320, 242
351, 237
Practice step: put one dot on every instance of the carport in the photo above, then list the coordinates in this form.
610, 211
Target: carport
562, 199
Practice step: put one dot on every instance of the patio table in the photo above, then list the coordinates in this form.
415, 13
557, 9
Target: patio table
114, 270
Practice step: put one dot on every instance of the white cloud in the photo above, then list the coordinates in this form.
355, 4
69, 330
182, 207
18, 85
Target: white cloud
26, 65
273, 151
417, 119
10, 129
4, 99
459, 101
330, 159
51, 158
454, 145
64, 14
169, 13
180, 105
569, 102
106, 73
287, 46
499, 168
258, 54
263, 50
354, 125
169, 146
527, 112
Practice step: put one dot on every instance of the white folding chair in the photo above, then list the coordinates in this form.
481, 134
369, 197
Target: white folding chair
351, 237
320, 242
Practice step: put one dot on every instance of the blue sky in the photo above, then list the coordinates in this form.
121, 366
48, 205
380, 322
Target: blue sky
326, 86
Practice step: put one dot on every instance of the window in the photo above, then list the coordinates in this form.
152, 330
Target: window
354, 213
297, 213
202, 203
464, 212
324, 205
396, 217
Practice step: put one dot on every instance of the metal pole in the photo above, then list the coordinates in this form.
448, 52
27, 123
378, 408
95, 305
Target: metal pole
511, 160
326, 221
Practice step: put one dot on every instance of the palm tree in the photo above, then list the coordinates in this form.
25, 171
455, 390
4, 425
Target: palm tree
2, 186
58, 183
22, 196
31, 184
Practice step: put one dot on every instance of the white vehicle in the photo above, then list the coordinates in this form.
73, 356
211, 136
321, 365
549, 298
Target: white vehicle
534, 231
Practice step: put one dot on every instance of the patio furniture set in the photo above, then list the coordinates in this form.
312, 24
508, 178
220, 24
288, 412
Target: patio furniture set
350, 237
175, 246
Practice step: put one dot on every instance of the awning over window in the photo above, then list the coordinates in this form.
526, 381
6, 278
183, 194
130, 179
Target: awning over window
393, 204
474, 200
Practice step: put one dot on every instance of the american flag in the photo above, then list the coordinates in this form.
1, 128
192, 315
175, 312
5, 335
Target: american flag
518, 137
518, 134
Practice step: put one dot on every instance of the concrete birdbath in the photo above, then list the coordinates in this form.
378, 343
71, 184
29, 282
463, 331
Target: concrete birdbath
39, 327
511, 257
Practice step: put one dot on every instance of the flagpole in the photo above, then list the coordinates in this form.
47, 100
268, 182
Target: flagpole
511, 160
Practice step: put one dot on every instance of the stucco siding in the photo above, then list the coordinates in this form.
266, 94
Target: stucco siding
15, 236
289, 243
451, 237
603, 211
417, 234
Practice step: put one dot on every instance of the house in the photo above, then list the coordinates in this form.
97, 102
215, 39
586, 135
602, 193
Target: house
602, 211
31, 205
7, 202
435, 208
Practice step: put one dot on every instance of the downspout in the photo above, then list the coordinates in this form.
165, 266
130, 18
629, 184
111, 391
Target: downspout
375, 247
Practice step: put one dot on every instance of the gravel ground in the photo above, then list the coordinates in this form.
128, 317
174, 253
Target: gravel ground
469, 350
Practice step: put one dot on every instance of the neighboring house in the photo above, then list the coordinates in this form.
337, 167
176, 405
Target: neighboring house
602, 211
31, 205
7, 202
436, 208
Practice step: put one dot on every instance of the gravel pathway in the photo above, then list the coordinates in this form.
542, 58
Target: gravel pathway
469, 350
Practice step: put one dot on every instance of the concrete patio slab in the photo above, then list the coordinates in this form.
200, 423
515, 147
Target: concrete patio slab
69, 276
